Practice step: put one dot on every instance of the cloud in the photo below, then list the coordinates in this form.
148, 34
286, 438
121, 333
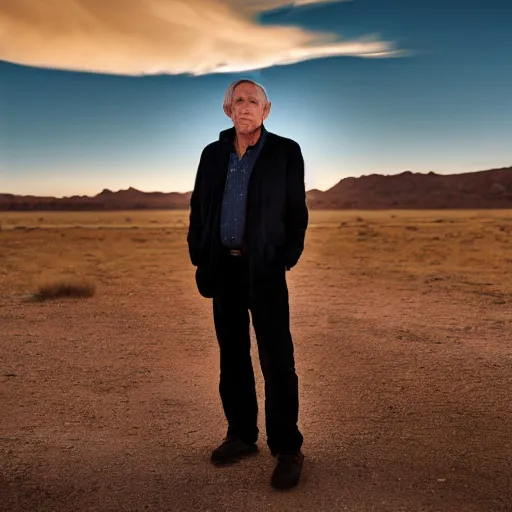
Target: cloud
264, 5
136, 37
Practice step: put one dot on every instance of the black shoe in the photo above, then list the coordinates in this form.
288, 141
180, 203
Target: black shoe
288, 469
232, 450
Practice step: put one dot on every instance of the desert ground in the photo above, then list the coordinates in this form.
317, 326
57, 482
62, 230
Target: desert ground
402, 323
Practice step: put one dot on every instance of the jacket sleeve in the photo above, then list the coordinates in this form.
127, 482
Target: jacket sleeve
297, 216
196, 215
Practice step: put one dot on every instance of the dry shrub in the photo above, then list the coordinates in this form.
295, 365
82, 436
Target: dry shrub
66, 288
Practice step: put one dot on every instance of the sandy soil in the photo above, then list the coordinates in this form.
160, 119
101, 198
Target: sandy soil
111, 403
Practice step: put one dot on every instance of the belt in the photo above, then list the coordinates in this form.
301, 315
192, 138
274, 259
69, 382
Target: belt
235, 252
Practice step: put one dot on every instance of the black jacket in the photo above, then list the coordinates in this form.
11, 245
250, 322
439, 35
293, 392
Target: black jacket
277, 215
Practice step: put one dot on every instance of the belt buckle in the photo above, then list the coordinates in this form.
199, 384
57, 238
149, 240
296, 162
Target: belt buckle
235, 252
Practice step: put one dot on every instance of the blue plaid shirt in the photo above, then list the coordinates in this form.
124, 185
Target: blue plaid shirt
232, 221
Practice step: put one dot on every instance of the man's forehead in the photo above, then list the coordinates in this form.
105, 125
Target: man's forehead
247, 89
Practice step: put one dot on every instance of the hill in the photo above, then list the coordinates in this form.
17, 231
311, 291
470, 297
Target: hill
472, 190
129, 199
407, 190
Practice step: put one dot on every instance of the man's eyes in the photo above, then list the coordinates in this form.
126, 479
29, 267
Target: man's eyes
240, 100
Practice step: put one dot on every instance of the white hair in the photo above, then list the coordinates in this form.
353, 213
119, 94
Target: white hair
228, 96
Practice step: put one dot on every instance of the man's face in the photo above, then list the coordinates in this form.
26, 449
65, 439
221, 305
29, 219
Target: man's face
248, 108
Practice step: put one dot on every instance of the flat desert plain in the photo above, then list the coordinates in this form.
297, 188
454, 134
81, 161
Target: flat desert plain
402, 323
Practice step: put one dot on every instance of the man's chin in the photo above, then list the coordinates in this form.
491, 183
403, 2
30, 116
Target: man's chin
246, 129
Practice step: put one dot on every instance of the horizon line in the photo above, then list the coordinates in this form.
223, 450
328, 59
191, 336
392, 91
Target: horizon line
408, 171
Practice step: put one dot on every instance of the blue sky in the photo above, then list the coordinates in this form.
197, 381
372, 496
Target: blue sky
444, 104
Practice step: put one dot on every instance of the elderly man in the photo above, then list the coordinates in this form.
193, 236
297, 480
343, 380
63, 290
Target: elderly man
248, 220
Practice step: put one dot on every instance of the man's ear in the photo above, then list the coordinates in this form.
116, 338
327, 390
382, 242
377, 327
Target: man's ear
266, 110
227, 110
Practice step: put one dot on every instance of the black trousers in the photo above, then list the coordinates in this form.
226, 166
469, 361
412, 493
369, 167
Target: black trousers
268, 304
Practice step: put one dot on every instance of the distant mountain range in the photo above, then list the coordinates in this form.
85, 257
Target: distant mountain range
471, 190
130, 199
407, 190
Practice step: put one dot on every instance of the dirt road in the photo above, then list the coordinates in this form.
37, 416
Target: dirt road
111, 404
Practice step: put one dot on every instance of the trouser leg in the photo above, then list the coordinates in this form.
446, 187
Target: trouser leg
237, 385
271, 319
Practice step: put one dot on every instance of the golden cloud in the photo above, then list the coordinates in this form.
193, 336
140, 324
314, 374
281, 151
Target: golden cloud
136, 37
